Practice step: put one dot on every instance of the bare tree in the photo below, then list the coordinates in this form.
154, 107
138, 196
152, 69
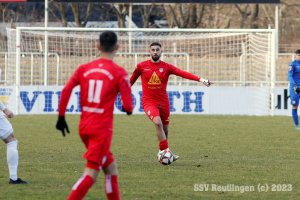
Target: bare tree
168, 15
244, 14
254, 16
267, 15
103, 8
121, 10
77, 12
196, 15
61, 8
253, 13
4, 12
146, 11
183, 13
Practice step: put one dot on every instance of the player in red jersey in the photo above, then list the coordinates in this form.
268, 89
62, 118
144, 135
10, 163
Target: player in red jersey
100, 81
155, 74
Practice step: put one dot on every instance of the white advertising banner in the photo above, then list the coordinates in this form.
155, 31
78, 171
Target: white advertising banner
282, 101
45, 99
8, 97
183, 100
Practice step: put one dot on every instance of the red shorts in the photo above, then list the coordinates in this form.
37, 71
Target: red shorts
98, 149
163, 111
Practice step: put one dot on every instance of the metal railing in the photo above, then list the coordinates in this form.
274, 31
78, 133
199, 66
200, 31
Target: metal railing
242, 80
31, 63
243, 68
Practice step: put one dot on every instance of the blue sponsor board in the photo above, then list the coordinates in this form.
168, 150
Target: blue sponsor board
45, 100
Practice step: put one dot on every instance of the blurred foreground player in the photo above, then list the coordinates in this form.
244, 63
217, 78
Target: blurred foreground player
7, 135
155, 74
100, 81
294, 78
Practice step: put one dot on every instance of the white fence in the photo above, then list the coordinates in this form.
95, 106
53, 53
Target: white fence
34, 57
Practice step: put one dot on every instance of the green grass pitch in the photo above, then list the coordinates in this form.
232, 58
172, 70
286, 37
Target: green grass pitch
221, 150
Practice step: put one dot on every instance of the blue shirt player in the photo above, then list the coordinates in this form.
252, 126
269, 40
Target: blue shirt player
294, 78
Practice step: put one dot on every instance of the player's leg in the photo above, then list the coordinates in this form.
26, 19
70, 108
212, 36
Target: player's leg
295, 116
97, 149
88, 178
166, 129
154, 115
110, 170
161, 135
163, 142
86, 181
295, 102
160, 118
165, 117
7, 135
164, 111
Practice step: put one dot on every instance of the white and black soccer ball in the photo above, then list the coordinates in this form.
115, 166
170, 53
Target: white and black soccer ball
165, 157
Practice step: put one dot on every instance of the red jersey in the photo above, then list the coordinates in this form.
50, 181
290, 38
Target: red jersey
100, 81
155, 77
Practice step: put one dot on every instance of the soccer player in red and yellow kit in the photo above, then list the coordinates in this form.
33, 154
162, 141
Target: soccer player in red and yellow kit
155, 74
100, 81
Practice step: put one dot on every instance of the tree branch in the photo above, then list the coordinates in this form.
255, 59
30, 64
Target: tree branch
88, 13
177, 24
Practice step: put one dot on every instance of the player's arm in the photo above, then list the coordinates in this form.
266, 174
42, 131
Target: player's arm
64, 99
290, 74
125, 90
187, 75
135, 75
291, 79
5, 110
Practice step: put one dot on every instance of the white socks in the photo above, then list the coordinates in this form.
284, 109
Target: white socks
12, 159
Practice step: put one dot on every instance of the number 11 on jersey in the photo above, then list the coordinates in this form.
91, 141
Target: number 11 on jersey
94, 96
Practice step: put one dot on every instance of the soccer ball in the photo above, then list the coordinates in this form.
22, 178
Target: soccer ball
165, 157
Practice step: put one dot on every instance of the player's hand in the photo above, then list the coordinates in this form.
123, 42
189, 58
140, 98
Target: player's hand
122, 109
62, 125
206, 82
8, 113
128, 113
297, 89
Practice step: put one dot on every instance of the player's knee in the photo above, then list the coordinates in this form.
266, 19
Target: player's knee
10, 138
295, 107
112, 169
166, 130
157, 122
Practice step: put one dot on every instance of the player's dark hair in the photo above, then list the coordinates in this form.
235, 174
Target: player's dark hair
297, 51
155, 44
108, 41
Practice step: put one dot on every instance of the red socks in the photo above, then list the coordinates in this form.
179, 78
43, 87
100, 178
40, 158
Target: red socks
163, 144
112, 187
81, 187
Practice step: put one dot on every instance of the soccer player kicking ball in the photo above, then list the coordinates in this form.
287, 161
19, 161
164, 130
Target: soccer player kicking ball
294, 77
100, 81
7, 135
155, 74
